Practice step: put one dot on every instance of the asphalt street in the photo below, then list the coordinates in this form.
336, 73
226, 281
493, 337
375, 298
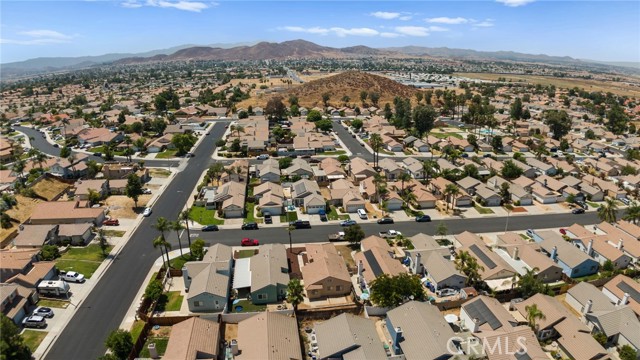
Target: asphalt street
103, 310
351, 143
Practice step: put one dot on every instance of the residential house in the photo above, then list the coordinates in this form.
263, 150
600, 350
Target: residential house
325, 274
545, 195
270, 198
543, 167
269, 274
487, 197
495, 272
35, 236
306, 193
573, 261
207, 281
192, 339
525, 256
98, 136
268, 171
83, 187
348, 336
332, 169
15, 301
230, 199
375, 259
469, 185
65, 212
623, 290
259, 336
63, 168
299, 167
160, 144
390, 168
359, 169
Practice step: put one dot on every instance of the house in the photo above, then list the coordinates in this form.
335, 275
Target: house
544, 195
393, 200
525, 256
259, 336
434, 261
230, 199
160, 144
585, 298
83, 187
192, 339
359, 169
325, 274
599, 248
269, 274
424, 198
65, 212
268, 171
573, 261
207, 281
306, 193
469, 185
375, 259
98, 136
485, 314
299, 167
542, 167
487, 196
496, 272
520, 196
419, 331
390, 168
35, 236
622, 290
352, 201
14, 262
123, 170
332, 169
65, 169
348, 336
75, 234
15, 301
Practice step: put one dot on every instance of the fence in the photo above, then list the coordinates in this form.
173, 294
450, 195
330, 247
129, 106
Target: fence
327, 313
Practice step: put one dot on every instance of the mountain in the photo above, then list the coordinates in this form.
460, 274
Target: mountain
481, 55
350, 84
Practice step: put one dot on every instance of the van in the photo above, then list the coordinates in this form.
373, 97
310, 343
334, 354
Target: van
362, 214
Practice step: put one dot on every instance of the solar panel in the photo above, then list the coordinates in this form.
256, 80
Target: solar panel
479, 310
482, 256
633, 293
373, 263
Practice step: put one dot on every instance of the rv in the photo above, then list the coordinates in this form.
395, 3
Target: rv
53, 287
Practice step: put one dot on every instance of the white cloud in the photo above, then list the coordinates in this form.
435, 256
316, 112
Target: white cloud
486, 23
412, 30
515, 3
437, 29
448, 20
46, 34
131, 4
39, 37
389, 35
405, 17
194, 6
338, 31
385, 15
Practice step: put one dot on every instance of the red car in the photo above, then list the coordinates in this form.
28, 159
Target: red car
563, 231
111, 222
249, 242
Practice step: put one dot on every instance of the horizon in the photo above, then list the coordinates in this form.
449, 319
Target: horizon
554, 28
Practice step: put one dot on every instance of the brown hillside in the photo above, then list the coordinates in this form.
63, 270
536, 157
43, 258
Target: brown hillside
350, 83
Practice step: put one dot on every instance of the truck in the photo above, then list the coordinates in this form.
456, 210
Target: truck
339, 236
72, 276
53, 287
389, 234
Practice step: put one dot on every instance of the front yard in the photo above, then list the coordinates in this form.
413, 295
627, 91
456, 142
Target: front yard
203, 216
33, 338
333, 215
84, 260
167, 154
251, 216
482, 210
288, 216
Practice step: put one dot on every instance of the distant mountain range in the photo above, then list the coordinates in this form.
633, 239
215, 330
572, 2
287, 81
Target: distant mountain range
295, 49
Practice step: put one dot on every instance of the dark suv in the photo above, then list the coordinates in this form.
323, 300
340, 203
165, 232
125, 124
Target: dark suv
301, 224
385, 220
250, 226
267, 218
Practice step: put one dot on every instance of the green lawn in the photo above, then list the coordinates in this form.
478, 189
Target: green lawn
167, 154
596, 205
337, 152
587, 278
412, 213
84, 260
87, 268
33, 338
248, 306
53, 303
204, 216
241, 254
161, 346
99, 149
114, 233
333, 215
483, 210
170, 301
289, 216
178, 263
444, 135
250, 210
136, 329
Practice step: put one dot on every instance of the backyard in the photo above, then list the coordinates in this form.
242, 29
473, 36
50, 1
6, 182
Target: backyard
248, 306
170, 301
203, 216
159, 337
84, 260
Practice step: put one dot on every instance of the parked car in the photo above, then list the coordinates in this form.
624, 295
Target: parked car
577, 211
146, 191
323, 215
72, 276
389, 234
347, 222
249, 226
423, 218
267, 218
189, 155
262, 157
111, 222
446, 292
563, 231
43, 311
98, 154
34, 321
54, 145
530, 232
385, 220
339, 236
146, 212
249, 242
210, 228
582, 204
625, 201
300, 224
305, 157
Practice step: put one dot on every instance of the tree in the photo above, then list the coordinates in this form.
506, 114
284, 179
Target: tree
442, 230
617, 119
314, 115
632, 214
163, 225
505, 194
510, 170
177, 227
94, 196
608, 266
558, 121
473, 141
356, 124
343, 158
516, 109
404, 177
375, 141
529, 284
197, 249
533, 315
235, 146
102, 242
496, 143
325, 98
590, 134
93, 168
183, 142
122, 117
284, 162
184, 216
154, 290
353, 234
139, 144
469, 266
450, 192
601, 338
324, 125
49, 252
424, 117
295, 293
375, 97
608, 211
159, 242
363, 97
65, 152
120, 343
387, 291
275, 109
626, 352
12, 346
133, 189
158, 125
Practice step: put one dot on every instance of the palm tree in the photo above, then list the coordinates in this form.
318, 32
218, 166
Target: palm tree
404, 177
462, 260
177, 227
632, 214
375, 141
608, 211
450, 192
18, 168
429, 169
473, 272
39, 158
410, 198
163, 225
161, 243
215, 171
184, 216
295, 293
378, 181
534, 314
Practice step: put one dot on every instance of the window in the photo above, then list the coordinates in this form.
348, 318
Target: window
339, 288
197, 303
330, 288
262, 296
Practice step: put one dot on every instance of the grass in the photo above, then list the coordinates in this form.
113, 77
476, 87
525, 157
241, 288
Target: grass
412, 213
336, 152
595, 205
114, 233
242, 254
178, 263
483, 210
444, 135
136, 329
87, 268
161, 346
162, 173
33, 338
96, 149
333, 215
170, 301
289, 216
524, 236
248, 306
250, 210
84, 260
90, 253
53, 303
587, 278
204, 216
167, 154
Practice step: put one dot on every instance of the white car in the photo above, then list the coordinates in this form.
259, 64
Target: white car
72, 276
446, 292
262, 157
146, 212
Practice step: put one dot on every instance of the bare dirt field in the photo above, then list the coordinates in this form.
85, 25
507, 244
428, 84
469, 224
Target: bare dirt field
121, 206
50, 188
159, 173
588, 85
19, 212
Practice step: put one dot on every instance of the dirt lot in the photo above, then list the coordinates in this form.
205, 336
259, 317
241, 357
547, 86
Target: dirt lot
50, 188
230, 331
20, 212
121, 206
159, 173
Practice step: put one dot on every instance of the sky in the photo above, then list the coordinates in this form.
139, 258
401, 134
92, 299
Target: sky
597, 30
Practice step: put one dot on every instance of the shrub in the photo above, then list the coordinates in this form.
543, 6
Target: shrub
49, 252
153, 290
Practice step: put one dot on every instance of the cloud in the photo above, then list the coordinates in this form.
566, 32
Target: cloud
448, 20
486, 23
412, 30
194, 6
515, 3
338, 31
131, 4
385, 15
39, 37
437, 29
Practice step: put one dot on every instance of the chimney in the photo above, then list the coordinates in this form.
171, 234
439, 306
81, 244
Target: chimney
545, 183
625, 299
234, 347
620, 244
516, 253
590, 247
587, 307
360, 267
186, 278
475, 324
554, 253
398, 337
418, 265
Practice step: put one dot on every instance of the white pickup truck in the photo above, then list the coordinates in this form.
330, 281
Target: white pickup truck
339, 236
389, 234
72, 276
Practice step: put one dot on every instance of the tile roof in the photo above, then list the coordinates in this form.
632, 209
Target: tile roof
192, 339
269, 336
349, 336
